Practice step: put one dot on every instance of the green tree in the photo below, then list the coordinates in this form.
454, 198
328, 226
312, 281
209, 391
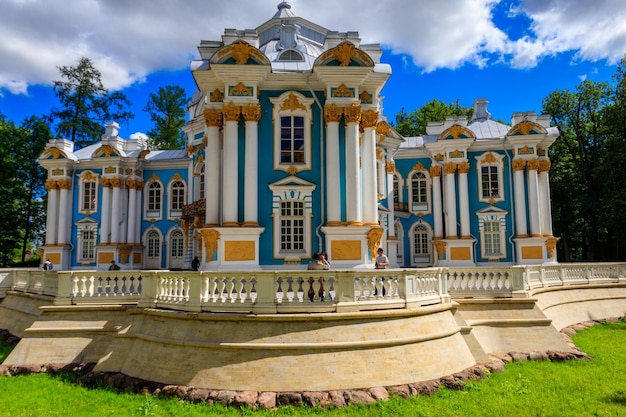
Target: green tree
167, 111
414, 124
85, 104
21, 184
578, 157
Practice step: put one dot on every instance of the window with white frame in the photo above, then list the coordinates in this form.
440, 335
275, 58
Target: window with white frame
489, 168
292, 226
292, 131
398, 198
178, 244
421, 247
154, 244
200, 191
154, 198
399, 231
492, 230
177, 198
292, 210
87, 238
419, 192
88, 188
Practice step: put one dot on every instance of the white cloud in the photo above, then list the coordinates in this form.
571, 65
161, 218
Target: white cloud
128, 40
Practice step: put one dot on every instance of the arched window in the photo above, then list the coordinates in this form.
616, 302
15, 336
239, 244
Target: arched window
153, 249
290, 55
421, 244
153, 200
419, 191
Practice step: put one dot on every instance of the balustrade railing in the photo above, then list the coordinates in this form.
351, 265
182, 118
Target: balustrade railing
270, 292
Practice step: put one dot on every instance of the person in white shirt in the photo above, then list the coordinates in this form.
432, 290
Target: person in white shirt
382, 262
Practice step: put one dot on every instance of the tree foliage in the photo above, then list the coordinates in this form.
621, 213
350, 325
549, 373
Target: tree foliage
22, 210
588, 170
85, 104
414, 124
167, 111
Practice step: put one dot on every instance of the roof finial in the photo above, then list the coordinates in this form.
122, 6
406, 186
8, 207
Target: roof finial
284, 5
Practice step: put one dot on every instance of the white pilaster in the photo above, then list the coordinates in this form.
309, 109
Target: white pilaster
116, 210
435, 174
464, 200
65, 211
533, 197
370, 195
251, 113
51, 217
213, 119
231, 169
521, 228
132, 208
105, 221
451, 230
353, 172
332, 115
544, 198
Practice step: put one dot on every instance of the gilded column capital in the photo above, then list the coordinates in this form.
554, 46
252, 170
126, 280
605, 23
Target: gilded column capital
213, 118
231, 112
332, 113
440, 246
435, 171
352, 113
106, 182
532, 164
449, 167
544, 165
463, 167
210, 238
369, 119
518, 164
64, 184
391, 167
251, 112
51, 185
117, 182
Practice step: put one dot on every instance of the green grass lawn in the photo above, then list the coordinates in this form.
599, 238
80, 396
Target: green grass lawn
575, 388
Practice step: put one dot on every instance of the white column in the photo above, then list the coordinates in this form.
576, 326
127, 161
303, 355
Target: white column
105, 220
450, 169
435, 174
51, 215
521, 227
463, 168
332, 114
231, 169
139, 212
116, 210
132, 208
353, 177
533, 197
213, 120
65, 211
544, 197
369, 119
251, 114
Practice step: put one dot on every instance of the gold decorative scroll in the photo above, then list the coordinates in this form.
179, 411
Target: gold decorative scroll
344, 53
210, 238
216, 96
390, 166
292, 103
241, 53
374, 237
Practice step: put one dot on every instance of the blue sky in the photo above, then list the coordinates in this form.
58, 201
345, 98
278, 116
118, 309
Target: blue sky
513, 53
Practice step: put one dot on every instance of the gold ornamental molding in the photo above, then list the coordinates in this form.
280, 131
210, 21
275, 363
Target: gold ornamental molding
216, 96
231, 112
344, 53
352, 113
390, 167
544, 165
440, 247
489, 159
532, 164
369, 119
435, 171
51, 185
213, 118
457, 132
518, 164
251, 112
332, 113
240, 90
374, 238
292, 103
342, 92
463, 167
526, 128
210, 238
54, 153
366, 98
418, 167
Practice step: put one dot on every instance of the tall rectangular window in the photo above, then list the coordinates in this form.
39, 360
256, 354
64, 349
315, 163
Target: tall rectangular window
489, 181
89, 196
292, 226
492, 238
154, 197
178, 195
88, 245
292, 140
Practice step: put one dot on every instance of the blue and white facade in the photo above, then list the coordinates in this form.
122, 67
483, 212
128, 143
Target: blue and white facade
289, 154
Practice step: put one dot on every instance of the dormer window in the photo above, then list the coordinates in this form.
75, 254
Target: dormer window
290, 55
